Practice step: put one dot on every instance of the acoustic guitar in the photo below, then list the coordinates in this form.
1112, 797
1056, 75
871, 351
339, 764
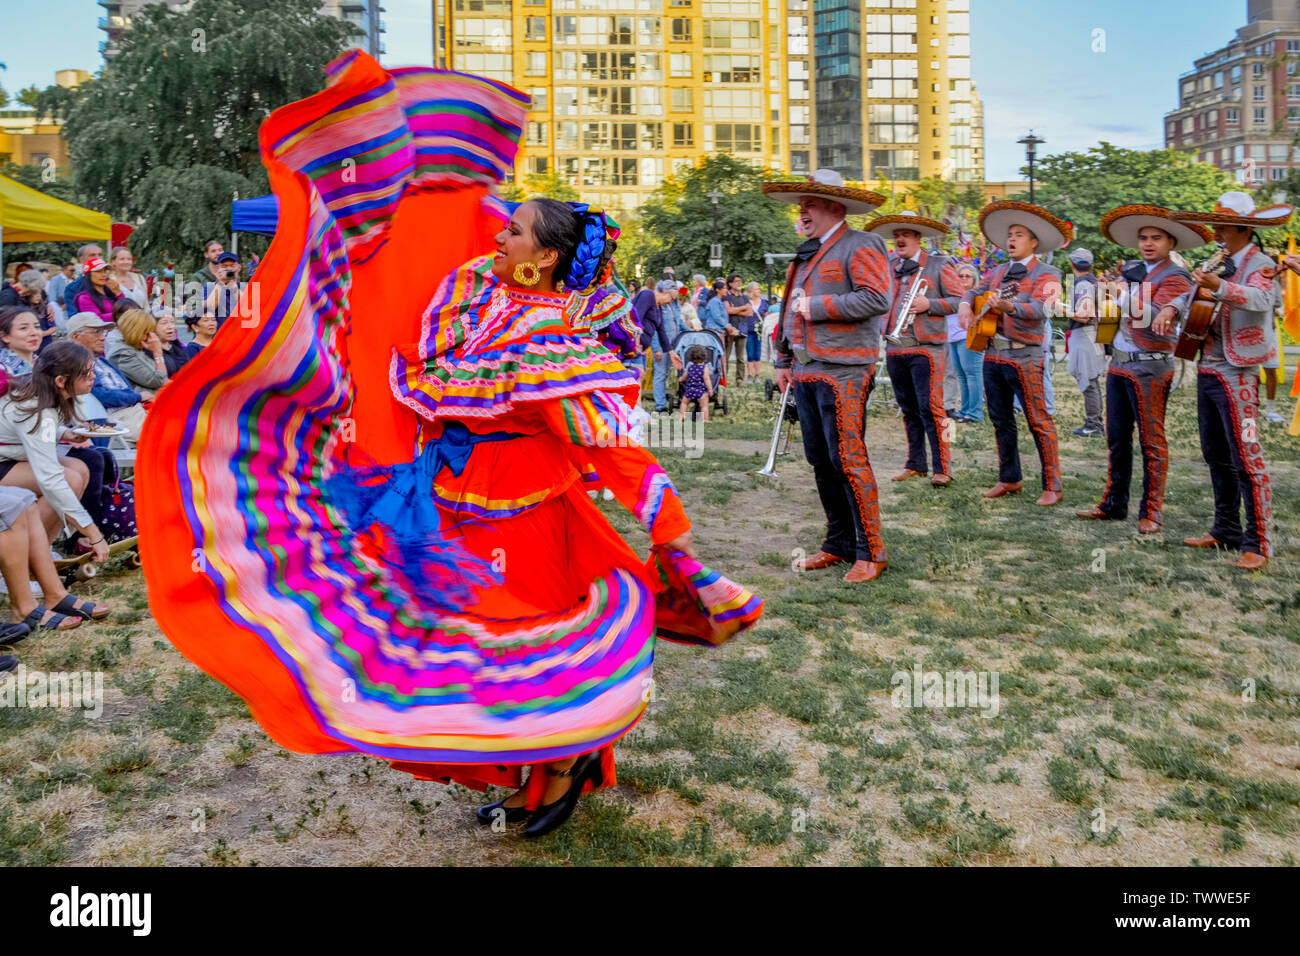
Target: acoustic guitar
985, 326
1200, 316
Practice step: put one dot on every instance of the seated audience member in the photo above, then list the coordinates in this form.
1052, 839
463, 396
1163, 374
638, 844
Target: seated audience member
203, 327
100, 293
112, 389
136, 350
174, 354
36, 415
25, 549
28, 289
20, 333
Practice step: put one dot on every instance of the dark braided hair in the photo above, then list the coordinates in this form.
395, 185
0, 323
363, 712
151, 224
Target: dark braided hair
579, 238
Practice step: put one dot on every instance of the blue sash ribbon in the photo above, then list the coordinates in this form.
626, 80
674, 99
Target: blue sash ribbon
399, 499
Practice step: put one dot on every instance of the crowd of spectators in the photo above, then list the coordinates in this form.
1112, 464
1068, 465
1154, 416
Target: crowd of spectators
88, 344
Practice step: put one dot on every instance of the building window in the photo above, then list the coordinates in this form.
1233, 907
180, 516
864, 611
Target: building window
1277, 172
538, 95
537, 134
1293, 116
683, 101
1261, 116
733, 34
1257, 70
731, 68
1293, 91
734, 137
1232, 118
679, 64
1261, 94
1293, 46
681, 30
534, 64
535, 28
683, 135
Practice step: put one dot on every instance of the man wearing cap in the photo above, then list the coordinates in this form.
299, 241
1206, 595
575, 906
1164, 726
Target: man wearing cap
1142, 370
111, 389
1087, 363
1013, 364
222, 297
1227, 380
917, 357
838, 291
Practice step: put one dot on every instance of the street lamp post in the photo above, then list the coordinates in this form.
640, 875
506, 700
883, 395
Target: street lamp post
715, 250
1031, 144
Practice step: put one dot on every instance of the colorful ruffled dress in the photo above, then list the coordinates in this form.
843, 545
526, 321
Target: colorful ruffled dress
531, 637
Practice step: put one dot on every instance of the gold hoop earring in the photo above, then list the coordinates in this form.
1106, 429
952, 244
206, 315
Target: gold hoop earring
528, 273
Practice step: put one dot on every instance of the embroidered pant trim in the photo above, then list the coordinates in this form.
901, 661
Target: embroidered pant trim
1137, 393
1227, 407
1007, 379
832, 417
917, 376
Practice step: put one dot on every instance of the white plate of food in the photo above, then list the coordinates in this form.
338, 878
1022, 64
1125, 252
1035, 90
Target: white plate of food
98, 431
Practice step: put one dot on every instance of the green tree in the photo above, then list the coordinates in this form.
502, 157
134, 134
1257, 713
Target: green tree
29, 96
677, 220
167, 134
1083, 187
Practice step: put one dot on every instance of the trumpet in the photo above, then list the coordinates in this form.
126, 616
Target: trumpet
769, 470
905, 316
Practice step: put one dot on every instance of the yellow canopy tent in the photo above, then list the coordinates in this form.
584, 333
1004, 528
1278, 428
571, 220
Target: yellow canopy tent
27, 215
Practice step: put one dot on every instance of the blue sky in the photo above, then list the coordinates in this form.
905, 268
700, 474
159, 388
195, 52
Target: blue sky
1033, 62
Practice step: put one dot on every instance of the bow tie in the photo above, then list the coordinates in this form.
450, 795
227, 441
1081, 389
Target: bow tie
1228, 269
1016, 272
1137, 272
906, 267
808, 250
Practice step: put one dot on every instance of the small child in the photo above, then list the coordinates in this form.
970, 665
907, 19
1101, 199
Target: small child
698, 381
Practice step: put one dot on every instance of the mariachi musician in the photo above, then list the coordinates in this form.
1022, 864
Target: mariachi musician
838, 291
1142, 366
917, 356
1227, 380
1013, 363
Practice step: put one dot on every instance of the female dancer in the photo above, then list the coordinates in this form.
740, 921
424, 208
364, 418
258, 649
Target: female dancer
469, 613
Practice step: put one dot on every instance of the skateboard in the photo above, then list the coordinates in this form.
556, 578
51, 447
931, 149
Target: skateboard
81, 568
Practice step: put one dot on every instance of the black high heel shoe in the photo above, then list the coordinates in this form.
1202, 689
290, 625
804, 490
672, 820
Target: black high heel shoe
487, 815
549, 817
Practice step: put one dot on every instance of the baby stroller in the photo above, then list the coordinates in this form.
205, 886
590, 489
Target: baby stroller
713, 344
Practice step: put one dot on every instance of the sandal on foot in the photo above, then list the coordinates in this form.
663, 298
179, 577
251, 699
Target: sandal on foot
12, 633
86, 610
57, 621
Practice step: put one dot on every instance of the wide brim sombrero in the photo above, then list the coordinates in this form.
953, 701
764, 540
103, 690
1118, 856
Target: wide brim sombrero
928, 228
997, 219
1122, 225
1269, 218
856, 202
